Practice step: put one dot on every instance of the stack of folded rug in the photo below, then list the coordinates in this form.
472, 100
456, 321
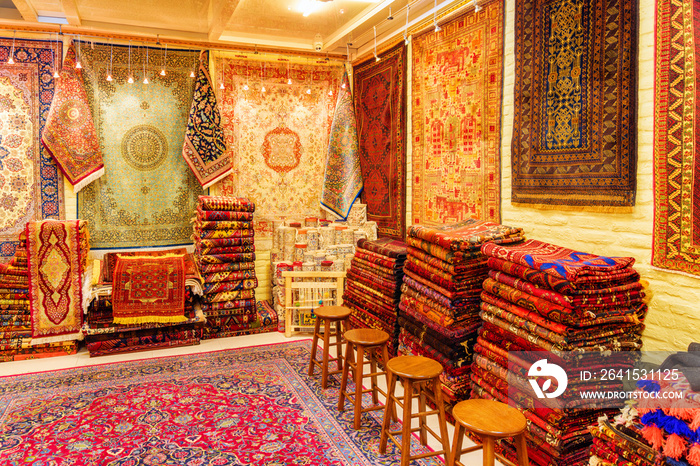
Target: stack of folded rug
225, 255
439, 308
584, 309
103, 336
373, 286
15, 316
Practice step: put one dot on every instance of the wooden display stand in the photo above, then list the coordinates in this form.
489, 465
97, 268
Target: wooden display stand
306, 291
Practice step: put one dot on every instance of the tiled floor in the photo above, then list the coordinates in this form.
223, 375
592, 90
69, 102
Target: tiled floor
83, 359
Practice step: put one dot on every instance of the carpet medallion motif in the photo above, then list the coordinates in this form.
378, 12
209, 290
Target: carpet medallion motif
342, 181
55, 279
148, 192
277, 139
70, 134
205, 147
252, 406
676, 244
574, 138
31, 187
456, 103
380, 102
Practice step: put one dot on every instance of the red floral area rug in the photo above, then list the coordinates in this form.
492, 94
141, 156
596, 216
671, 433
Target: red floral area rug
248, 406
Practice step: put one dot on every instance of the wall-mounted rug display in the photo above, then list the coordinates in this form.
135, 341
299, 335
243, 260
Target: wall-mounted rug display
31, 187
676, 129
205, 146
342, 180
380, 105
574, 144
148, 193
456, 103
70, 135
277, 139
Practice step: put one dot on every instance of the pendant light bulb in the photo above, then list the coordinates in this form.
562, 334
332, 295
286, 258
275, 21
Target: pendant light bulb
162, 72
192, 74
342, 86
289, 81
330, 92
109, 77
245, 87
477, 8
308, 91
221, 86
10, 61
55, 73
145, 80
263, 89
130, 80
437, 28
78, 65
376, 58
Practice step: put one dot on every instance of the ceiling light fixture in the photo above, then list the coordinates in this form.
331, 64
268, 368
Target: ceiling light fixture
245, 86
109, 75
194, 64
145, 65
77, 58
11, 60
165, 59
289, 80
55, 59
262, 75
389, 18
376, 58
477, 8
405, 32
437, 28
131, 78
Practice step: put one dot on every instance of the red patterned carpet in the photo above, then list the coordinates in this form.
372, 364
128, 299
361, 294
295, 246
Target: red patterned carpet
252, 406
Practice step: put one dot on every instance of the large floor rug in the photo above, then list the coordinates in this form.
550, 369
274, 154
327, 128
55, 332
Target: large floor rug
31, 187
574, 130
148, 193
676, 132
456, 102
248, 406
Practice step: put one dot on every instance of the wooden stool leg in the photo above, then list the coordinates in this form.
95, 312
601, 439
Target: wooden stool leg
457, 440
489, 450
437, 393
314, 346
389, 413
326, 351
521, 448
385, 357
339, 327
359, 370
406, 428
373, 368
344, 379
422, 419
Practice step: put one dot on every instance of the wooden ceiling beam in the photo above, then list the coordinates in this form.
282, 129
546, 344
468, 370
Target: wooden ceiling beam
70, 8
26, 10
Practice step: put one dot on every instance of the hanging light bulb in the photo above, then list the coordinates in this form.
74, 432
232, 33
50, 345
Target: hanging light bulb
131, 78
262, 75
308, 91
221, 85
165, 57
262, 89
437, 28
77, 58
11, 60
376, 57
109, 75
145, 64
289, 80
192, 74
405, 31
245, 86
477, 7
330, 92
55, 74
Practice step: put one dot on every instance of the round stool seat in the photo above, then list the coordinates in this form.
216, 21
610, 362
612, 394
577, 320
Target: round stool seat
333, 312
489, 417
414, 367
366, 336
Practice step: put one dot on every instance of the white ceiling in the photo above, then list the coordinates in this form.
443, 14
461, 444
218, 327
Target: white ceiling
268, 24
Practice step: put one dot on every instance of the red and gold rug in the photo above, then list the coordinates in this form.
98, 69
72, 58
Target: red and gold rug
253, 406
457, 87
149, 289
56, 253
676, 243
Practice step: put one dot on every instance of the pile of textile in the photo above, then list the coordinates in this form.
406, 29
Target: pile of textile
621, 442
225, 255
585, 310
103, 336
439, 308
373, 286
15, 315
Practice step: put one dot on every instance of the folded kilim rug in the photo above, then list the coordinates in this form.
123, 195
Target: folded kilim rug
252, 406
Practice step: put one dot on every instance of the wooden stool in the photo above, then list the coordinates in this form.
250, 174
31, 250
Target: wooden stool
419, 371
328, 314
491, 420
365, 340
